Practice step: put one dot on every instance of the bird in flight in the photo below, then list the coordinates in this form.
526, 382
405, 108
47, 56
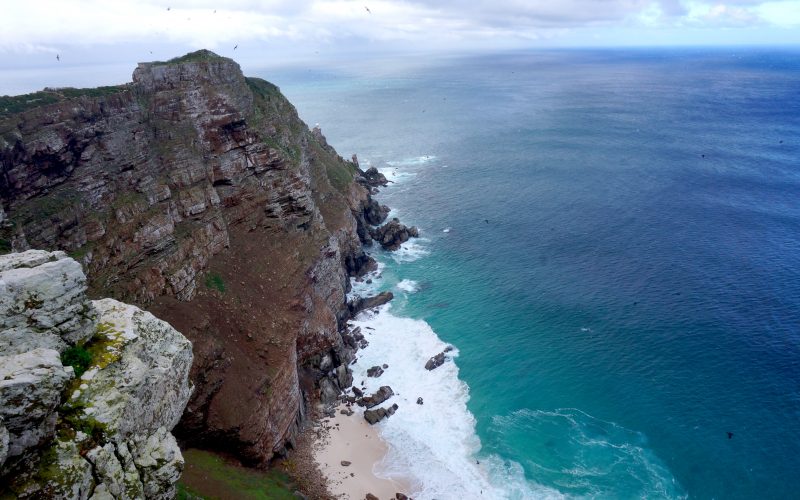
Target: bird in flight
168, 8
234, 47
58, 58
368, 9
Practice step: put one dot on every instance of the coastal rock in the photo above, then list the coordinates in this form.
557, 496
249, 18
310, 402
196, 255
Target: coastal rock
435, 361
384, 393
393, 234
42, 302
4, 438
357, 392
400, 496
375, 371
329, 393
344, 376
375, 416
370, 496
363, 303
345, 463
373, 178
31, 385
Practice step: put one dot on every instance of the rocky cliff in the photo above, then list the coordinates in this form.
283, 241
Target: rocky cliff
89, 390
200, 194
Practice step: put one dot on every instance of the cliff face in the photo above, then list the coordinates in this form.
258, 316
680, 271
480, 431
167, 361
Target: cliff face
200, 194
100, 433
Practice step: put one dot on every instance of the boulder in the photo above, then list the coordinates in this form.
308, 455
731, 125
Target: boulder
393, 234
363, 303
375, 416
152, 358
435, 361
375, 371
384, 393
357, 392
344, 376
328, 391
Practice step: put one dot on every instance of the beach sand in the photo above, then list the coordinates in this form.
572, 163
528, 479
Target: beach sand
352, 439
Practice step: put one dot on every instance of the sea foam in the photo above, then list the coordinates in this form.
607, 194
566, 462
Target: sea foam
433, 445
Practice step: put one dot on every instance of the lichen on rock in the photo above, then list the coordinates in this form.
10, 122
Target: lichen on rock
107, 433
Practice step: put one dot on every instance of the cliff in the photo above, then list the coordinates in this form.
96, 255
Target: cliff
89, 390
199, 194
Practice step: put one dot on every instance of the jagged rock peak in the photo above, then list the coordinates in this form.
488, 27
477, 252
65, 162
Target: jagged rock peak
193, 69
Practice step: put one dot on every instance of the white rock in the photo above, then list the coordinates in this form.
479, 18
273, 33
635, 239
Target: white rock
42, 302
145, 386
160, 464
31, 385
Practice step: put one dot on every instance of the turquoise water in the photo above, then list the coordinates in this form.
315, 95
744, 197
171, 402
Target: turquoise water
635, 294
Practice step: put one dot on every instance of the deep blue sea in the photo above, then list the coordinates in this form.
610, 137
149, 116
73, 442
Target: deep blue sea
611, 240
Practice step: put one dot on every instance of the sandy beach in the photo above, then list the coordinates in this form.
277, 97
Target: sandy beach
352, 439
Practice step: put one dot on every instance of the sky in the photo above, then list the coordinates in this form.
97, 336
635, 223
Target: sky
116, 34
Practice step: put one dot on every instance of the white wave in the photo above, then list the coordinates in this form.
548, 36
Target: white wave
408, 286
395, 175
411, 250
432, 445
416, 160
446, 230
368, 285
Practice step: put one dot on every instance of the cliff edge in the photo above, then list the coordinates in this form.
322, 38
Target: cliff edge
198, 193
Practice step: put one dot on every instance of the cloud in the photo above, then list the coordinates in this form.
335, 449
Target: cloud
45, 24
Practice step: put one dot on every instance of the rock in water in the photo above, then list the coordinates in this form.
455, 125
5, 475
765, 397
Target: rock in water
363, 303
384, 393
393, 234
375, 371
435, 361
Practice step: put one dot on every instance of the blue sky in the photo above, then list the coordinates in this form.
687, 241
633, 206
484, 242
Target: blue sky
117, 34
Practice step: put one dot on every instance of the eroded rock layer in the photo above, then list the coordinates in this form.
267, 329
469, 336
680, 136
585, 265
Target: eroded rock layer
199, 194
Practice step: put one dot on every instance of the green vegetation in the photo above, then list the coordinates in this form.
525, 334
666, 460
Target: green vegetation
208, 476
263, 88
78, 358
196, 56
18, 103
214, 282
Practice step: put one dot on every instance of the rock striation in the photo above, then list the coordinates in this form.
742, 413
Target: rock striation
198, 193
105, 433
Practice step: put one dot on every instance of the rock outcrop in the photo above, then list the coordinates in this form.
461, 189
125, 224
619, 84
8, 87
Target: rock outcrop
106, 433
199, 194
393, 234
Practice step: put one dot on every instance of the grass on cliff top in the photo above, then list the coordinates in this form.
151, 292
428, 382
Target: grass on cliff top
209, 476
196, 56
10, 105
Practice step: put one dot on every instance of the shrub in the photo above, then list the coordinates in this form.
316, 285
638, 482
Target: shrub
78, 358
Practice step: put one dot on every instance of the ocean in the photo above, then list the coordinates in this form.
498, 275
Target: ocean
610, 240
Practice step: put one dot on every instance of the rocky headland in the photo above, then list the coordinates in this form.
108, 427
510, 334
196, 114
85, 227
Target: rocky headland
197, 194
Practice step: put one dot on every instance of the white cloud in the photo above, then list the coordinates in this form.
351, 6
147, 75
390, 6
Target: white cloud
45, 25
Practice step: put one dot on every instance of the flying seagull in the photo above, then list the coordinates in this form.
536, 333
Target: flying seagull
368, 9
234, 47
58, 58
